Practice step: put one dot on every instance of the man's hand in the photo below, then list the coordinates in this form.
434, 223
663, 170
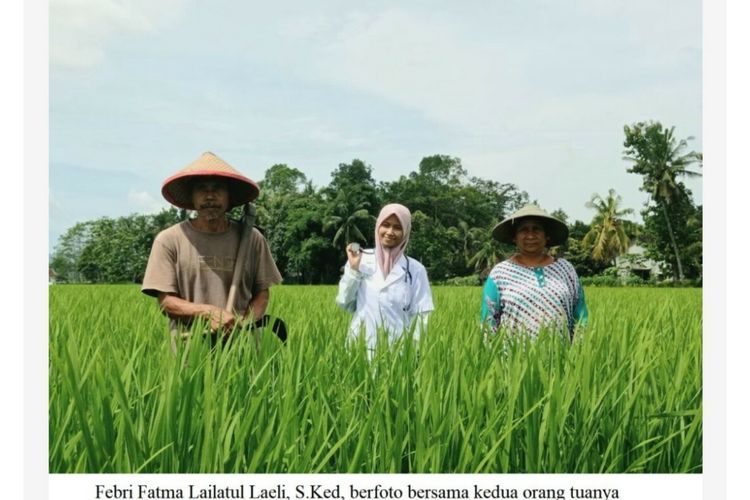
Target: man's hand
221, 319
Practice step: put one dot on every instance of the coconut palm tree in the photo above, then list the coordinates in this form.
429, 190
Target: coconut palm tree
468, 236
486, 257
607, 237
658, 156
348, 226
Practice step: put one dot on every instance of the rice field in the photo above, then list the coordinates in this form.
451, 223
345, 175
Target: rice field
625, 396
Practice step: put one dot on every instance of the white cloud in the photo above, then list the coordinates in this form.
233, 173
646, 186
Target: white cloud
521, 91
60, 219
472, 80
80, 30
142, 201
420, 61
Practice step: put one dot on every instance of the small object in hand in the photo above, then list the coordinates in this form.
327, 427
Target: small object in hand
357, 248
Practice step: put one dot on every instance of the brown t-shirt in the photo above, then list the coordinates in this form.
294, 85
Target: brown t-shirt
198, 266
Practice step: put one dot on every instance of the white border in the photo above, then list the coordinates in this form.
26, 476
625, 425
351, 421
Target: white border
714, 260
737, 241
11, 105
36, 211
35, 159
631, 487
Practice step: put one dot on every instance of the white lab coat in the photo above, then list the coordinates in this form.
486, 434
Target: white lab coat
393, 302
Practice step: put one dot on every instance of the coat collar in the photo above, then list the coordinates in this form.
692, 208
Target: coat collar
369, 266
397, 271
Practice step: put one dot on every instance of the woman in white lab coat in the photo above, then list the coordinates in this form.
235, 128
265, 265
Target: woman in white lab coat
384, 287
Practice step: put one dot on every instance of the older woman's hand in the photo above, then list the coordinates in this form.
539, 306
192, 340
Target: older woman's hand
354, 256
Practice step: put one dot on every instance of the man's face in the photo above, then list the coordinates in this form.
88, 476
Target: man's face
210, 197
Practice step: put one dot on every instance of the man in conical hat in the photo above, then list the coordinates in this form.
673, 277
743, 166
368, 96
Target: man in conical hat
192, 264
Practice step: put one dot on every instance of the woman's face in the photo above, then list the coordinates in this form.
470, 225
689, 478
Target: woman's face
530, 238
390, 232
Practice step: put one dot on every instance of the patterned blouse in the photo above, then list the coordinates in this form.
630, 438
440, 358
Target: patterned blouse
528, 299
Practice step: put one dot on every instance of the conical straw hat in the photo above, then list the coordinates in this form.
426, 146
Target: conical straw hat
554, 229
177, 189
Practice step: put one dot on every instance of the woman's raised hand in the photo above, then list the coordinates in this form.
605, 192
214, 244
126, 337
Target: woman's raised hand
354, 254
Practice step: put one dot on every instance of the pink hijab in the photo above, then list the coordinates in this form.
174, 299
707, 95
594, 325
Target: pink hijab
387, 257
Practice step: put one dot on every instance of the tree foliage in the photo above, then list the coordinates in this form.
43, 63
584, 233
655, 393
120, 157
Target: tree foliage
607, 238
110, 250
453, 215
660, 158
687, 230
573, 250
307, 228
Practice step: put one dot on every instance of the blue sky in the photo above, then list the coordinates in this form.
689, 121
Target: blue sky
535, 93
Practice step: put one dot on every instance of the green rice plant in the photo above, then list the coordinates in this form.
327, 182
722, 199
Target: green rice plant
624, 396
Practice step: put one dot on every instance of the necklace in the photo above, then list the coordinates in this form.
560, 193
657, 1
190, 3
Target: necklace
541, 262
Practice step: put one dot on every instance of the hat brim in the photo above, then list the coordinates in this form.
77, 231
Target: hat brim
177, 189
555, 230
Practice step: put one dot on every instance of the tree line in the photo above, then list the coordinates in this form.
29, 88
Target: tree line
453, 214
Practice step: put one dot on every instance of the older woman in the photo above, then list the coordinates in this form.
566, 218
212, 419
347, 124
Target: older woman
532, 290
384, 287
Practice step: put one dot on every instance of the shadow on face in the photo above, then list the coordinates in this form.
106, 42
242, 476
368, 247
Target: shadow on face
210, 196
391, 232
530, 236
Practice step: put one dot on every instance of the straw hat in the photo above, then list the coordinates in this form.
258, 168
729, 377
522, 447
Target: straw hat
177, 190
554, 229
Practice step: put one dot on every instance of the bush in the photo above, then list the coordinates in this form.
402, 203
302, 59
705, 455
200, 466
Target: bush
610, 279
472, 280
600, 280
688, 283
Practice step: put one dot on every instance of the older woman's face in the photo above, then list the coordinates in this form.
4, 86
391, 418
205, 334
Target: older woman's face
390, 232
530, 237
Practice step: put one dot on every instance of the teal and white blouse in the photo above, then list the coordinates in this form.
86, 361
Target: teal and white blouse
529, 299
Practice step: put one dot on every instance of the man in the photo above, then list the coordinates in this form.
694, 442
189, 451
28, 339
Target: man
192, 263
